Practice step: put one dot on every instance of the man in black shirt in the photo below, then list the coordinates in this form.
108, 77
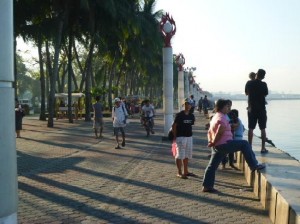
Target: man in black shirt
257, 90
182, 130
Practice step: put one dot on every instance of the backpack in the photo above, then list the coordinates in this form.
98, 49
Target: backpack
122, 109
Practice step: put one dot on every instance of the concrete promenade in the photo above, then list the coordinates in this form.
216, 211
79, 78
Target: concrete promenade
65, 175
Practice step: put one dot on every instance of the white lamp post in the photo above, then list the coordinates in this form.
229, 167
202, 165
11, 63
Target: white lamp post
180, 61
191, 80
186, 83
168, 29
191, 83
8, 156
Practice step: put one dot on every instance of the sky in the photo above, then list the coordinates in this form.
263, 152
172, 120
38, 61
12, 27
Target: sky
227, 39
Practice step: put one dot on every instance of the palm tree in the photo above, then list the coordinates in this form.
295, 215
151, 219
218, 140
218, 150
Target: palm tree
121, 37
31, 25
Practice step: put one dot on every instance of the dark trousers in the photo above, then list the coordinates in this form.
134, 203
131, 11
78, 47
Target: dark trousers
230, 159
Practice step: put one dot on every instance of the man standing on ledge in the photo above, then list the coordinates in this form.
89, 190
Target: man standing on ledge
257, 90
183, 135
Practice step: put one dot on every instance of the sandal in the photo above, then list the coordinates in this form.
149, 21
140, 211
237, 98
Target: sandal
191, 175
209, 190
181, 176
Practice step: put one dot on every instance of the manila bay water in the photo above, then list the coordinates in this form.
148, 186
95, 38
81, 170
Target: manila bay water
282, 125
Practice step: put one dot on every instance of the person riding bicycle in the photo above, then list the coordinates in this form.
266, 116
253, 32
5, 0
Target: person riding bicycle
148, 113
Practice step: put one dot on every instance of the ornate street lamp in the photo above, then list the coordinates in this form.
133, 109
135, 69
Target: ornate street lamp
180, 61
168, 29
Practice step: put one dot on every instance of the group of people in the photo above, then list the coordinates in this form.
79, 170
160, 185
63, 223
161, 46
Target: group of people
203, 104
257, 90
225, 133
119, 118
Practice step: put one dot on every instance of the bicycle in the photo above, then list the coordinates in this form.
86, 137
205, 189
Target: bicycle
148, 124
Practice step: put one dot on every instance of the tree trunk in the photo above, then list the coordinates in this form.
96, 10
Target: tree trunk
126, 84
70, 114
104, 82
80, 68
111, 76
74, 79
54, 75
88, 97
61, 84
42, 80
48, 73
93, 83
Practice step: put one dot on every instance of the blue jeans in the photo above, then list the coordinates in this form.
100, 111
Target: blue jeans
218, 154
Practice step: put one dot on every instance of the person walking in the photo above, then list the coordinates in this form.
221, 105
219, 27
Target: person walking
183, 135
19, 113
200, 105
98, 117
193, 104
119, 115
257, 90
205, 105
220, 139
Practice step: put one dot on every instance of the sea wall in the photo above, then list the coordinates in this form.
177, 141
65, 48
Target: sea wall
277, 186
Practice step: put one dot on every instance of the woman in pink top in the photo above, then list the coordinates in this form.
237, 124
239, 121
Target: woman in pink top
221, 140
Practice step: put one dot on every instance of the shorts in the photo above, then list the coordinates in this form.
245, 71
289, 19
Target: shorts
184, 147
119, 129
257, 116
98, 122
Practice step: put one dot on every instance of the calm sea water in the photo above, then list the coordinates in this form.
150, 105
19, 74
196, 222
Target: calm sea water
282, 125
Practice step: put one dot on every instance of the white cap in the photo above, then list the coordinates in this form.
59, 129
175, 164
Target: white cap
117, 100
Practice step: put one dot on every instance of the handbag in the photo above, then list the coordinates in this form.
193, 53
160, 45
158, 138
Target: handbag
174, 148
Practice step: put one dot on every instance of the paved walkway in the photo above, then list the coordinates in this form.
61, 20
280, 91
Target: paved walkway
67, 176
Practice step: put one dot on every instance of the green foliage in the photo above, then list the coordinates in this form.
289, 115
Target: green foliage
27, 81
98, 91
115, 89
122, 36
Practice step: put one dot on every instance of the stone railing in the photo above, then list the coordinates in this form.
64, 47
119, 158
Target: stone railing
278, 185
